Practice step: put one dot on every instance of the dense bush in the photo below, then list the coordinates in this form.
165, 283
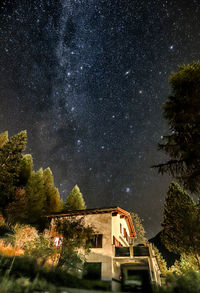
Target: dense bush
187, 283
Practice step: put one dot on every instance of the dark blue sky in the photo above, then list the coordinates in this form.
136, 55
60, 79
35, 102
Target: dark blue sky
87, 79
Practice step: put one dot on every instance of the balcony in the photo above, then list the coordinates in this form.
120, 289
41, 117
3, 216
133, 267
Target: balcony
138, 251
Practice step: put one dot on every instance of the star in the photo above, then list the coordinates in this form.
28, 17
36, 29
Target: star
128, 189
88, 80
127, 72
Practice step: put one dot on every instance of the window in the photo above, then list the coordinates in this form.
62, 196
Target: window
96, 241
92, 271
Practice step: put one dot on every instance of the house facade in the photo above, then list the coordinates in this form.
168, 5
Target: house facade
114, 231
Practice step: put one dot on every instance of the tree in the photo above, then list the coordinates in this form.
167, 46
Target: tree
11, 153
3, 138
161, 262
75, 200
139, 229
52, 201
75, 235
16, 211
182, 111
185, 264
42, 197
26, 169
181, 224
35, 197
183, 276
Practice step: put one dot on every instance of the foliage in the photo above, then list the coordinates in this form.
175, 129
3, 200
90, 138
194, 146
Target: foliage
52, 196
75, 200
21, 285
35, 197
12, 270
42, 249
10, 166
25, 196
181, 224
26, 169
182, 113
16, 211
3, 138
24, 236
6, 248
139, 228
75, 236
42, 196
161, 262
184, 283
185, 264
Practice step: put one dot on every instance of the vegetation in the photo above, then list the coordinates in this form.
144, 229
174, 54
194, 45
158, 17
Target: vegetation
181, 224
182, 110
28, 249
183, 276
75, 235
161, 262
25, 273
10, 165
139, 228
75, 200
26, 196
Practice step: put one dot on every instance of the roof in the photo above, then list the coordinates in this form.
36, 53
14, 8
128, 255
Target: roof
117, 210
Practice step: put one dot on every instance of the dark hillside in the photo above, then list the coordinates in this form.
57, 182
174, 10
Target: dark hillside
169, 257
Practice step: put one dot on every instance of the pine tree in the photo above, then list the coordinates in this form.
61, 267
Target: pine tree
3, 138
75, 200
35, 197
139, 228
181, 224
10, 165
26, 169
182, 111
53, 202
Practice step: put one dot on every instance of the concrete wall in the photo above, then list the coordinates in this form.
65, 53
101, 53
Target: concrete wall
108, 226
116, 221
102, 224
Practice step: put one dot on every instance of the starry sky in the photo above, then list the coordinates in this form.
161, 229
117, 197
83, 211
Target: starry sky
87, 80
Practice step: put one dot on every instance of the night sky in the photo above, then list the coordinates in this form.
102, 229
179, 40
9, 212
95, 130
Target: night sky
87, 80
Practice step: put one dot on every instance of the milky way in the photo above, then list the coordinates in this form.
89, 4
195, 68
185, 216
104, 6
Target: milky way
87, 79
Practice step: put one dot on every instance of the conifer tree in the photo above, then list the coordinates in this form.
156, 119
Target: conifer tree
53, 202
11, 153
75, 200
139, 228
181, 224
26, 169
35, 197
182, 111
3, 138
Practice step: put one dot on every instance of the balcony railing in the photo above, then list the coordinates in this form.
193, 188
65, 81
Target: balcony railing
137, 251
122, 251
